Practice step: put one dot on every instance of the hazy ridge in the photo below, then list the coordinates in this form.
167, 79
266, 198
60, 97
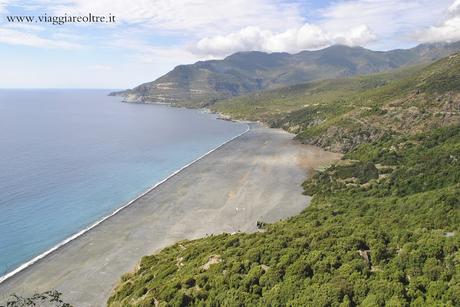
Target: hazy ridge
205, 82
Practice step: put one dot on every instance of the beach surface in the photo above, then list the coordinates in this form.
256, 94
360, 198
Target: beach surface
255, 177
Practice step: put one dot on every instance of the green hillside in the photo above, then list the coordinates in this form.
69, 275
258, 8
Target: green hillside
205, 82
383, 225
314, 97
340, 114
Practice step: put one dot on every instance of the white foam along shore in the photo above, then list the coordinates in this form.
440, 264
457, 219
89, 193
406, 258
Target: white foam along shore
85, 230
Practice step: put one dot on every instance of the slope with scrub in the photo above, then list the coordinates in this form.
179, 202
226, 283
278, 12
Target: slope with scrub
382, 228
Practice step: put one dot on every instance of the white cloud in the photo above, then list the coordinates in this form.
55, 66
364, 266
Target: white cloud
392, 21
27, 27
446, 31
3, 5
146, 53
384, 16
377, 24
14, 37
33, 34
357, 36
191, 15
152, 36
306, 37
455, 7
187, 19
268, 25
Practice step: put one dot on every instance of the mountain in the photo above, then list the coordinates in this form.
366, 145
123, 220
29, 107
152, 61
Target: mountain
340, 114
271, 106
382, 228
203, 83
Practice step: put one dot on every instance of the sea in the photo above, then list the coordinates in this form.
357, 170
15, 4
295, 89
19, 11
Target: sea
69, 158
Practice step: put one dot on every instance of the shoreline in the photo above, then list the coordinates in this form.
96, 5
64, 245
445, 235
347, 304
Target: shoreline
64, 242
256, 176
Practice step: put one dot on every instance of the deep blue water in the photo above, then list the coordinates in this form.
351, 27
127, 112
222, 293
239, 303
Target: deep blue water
70, 157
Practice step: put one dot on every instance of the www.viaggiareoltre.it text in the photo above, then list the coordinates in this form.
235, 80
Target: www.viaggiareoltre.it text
60, 20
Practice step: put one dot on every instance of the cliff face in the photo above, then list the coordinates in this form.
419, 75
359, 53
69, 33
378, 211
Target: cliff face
203, 83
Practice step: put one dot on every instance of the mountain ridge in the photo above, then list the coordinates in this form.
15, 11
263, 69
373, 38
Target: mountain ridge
339, 114
203, 83
382, 228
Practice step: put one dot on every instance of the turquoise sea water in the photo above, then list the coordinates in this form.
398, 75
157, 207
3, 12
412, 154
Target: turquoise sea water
70, 157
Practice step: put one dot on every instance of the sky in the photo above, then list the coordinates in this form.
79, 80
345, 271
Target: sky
150, 37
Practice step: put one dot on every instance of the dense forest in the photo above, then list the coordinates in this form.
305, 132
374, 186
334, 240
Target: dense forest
381, 230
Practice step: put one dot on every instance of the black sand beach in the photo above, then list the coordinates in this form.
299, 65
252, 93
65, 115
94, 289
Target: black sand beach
255, 177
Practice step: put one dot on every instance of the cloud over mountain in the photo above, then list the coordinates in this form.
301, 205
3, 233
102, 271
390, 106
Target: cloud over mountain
306, 37
448, 30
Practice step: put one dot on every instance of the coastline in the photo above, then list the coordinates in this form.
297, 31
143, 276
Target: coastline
255, 176
29, 263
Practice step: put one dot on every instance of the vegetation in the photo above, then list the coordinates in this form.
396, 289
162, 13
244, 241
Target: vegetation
339, 115
382, 231
48, 298
383, 225
315, 100
205, 82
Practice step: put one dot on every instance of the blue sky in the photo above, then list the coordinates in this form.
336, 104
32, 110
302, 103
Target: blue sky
150, 37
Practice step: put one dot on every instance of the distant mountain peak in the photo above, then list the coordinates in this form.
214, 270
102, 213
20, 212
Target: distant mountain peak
203, 83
